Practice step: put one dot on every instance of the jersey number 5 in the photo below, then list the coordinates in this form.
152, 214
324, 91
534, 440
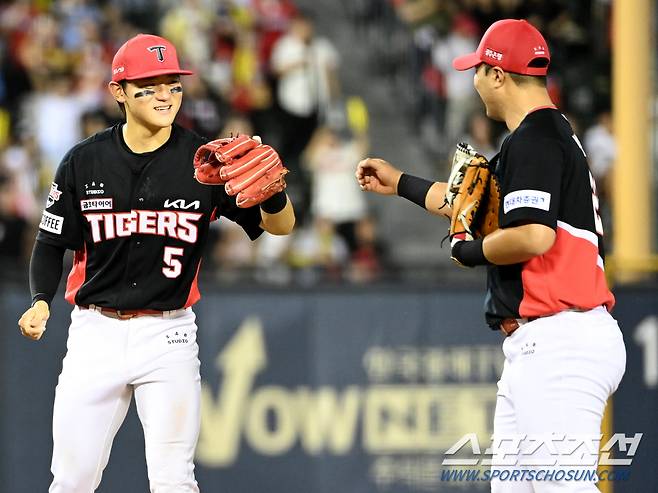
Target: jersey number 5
598, 224
173, 267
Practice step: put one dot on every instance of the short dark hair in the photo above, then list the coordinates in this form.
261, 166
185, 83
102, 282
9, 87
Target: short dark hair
520, 78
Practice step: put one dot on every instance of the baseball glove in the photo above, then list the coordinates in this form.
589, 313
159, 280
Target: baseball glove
475, 204
462, 158
248, 169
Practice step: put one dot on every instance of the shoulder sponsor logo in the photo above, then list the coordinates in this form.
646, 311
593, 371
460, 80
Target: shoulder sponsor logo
51, 223
105, 204
53, 195
535, 199
181, 204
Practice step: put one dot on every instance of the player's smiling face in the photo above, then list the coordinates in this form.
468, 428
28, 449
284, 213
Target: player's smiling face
154, 102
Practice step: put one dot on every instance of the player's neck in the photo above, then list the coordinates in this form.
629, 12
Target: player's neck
526, 102
140, 139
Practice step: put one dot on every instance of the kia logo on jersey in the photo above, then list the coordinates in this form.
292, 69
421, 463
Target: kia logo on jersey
181, 204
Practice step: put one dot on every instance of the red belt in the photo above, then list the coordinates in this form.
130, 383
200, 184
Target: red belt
128, 314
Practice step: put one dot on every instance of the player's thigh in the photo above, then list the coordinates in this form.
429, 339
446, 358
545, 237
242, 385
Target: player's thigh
505, 457
169, 404
565, 369
92, 395
169, 409
85, 422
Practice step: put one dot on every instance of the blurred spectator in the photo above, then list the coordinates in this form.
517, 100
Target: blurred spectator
237, 124
318, 253
52, 117
273, 18
366, 261
14, 229
92, 122
306, 70
336, 196
601, 148
76, 17
17, 163
461, 99
250, 90
233, 253
187, 25
480, 134
202, 111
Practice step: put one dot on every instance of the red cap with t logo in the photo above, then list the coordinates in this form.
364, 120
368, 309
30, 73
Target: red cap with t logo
513, 45
143, 56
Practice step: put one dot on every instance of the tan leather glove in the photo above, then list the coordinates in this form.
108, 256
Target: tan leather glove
33, 321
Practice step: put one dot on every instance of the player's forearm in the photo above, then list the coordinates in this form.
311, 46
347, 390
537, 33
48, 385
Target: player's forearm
277, 220
435, 201
518, 244
427, 194
45, 271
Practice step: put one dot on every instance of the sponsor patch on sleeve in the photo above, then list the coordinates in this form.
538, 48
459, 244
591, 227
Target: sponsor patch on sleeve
527, 198
53, 195
51, 223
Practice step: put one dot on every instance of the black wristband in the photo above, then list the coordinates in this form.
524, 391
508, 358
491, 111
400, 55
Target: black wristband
469, 253
40, 297
414, 189
275, 203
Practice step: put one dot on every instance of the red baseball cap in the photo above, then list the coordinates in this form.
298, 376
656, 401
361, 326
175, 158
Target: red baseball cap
512, 45
144, 56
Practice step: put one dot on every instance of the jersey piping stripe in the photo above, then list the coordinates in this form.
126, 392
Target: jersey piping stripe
579, 233
194, 294
77, 275
585, 235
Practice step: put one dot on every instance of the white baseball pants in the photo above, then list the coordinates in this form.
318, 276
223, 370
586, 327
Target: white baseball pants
108, 360
559, 372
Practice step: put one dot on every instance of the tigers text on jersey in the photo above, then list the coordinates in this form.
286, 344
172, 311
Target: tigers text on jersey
544, 178
138, 222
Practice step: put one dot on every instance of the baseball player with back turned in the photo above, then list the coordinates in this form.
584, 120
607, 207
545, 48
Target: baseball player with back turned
547, 293
127, 203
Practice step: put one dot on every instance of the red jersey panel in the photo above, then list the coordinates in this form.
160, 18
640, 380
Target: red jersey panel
569, 275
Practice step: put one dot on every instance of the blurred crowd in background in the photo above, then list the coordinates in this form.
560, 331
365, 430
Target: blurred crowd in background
263, 67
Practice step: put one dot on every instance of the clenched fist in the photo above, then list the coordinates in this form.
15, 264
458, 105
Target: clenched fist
377, 175
33, 321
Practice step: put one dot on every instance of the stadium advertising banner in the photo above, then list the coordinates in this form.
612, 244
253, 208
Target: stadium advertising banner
320, 391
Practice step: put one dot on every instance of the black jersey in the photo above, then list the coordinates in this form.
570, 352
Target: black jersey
545, 179
138, 223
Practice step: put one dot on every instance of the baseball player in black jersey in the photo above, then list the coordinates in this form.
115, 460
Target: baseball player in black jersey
547, 293
126, 202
